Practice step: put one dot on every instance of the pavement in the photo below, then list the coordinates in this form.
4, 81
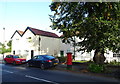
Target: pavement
79, 68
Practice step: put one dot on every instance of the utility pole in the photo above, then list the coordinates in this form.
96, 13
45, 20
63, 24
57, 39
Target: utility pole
74, 44
39, 45
3, 41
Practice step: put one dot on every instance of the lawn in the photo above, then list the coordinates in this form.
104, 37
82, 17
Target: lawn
79, 61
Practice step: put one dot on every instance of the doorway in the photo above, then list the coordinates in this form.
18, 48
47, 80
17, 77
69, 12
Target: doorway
32, 53
62, 53
14, 52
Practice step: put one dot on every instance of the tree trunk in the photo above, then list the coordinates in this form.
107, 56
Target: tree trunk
99, 57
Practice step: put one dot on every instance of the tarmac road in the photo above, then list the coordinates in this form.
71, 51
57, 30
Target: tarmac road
19, 74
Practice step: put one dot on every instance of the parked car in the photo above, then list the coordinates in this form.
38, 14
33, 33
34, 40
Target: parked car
14, 59
43, 61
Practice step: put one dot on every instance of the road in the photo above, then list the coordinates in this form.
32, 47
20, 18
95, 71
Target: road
25, 75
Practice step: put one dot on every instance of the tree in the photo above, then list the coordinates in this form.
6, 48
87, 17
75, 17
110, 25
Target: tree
3, 48
96, 24
9, 44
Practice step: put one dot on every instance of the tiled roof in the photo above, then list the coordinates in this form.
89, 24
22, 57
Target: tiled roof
43, 33
20, 32
36, 32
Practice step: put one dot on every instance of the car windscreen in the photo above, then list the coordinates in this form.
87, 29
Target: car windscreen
49, 57
16, 57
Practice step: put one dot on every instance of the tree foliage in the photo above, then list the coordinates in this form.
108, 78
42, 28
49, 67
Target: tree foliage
3, 48
9, 44
96, 24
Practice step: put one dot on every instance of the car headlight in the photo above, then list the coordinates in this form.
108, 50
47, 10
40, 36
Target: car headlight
17, 60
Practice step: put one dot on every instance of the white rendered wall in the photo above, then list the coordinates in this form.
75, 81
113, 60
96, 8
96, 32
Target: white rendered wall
49, 45
16, 43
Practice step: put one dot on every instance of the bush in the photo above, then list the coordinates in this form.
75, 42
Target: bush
62, 59
114, 63
96, 68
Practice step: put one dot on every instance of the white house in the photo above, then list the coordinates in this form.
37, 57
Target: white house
37, 42
110, 56
33, 42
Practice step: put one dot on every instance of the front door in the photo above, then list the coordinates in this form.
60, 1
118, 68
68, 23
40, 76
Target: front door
61, 53
32, 53
14, 52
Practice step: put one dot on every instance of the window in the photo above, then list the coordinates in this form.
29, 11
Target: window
15, 56
28, 38
35, 57
7, 56
116, 54
40, 57
49, 57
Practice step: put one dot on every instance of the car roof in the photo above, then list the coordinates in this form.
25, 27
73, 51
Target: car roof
44, 55
12, 55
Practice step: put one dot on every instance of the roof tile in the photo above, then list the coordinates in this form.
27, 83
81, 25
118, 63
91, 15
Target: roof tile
20, 32
43, 33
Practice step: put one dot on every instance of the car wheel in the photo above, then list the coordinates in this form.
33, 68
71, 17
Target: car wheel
14, 63
42, 66
29, 65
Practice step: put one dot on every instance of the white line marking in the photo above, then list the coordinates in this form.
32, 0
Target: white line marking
40, 79
20, 67
7, 71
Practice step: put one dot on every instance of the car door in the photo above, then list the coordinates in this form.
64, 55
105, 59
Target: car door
11, 59
33, 60
7, 59
39, 61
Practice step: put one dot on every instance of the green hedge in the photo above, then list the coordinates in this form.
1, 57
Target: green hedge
62, 59
96, 68
114, 63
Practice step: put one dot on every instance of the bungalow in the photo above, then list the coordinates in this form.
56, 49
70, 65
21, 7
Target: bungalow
33, 42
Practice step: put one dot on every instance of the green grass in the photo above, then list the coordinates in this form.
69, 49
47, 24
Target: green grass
114, 63
79, 61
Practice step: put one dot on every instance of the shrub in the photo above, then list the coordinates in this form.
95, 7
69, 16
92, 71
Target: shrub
115, 63
62, 59
96, 68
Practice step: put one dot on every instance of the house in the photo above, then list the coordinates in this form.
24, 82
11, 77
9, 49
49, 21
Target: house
37, 42
33, 42
110, 56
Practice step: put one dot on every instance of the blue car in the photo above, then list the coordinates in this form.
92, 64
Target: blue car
43, 61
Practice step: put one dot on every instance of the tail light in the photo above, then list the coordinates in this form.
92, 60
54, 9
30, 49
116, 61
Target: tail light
49, 61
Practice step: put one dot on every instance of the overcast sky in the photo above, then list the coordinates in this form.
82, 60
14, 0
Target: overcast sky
19, 14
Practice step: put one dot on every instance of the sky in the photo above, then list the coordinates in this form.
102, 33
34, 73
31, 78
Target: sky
19, 14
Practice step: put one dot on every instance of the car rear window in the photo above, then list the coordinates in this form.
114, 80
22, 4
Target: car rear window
16, 57
49, 57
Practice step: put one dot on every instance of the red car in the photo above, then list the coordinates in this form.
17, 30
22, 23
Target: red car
14, 59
